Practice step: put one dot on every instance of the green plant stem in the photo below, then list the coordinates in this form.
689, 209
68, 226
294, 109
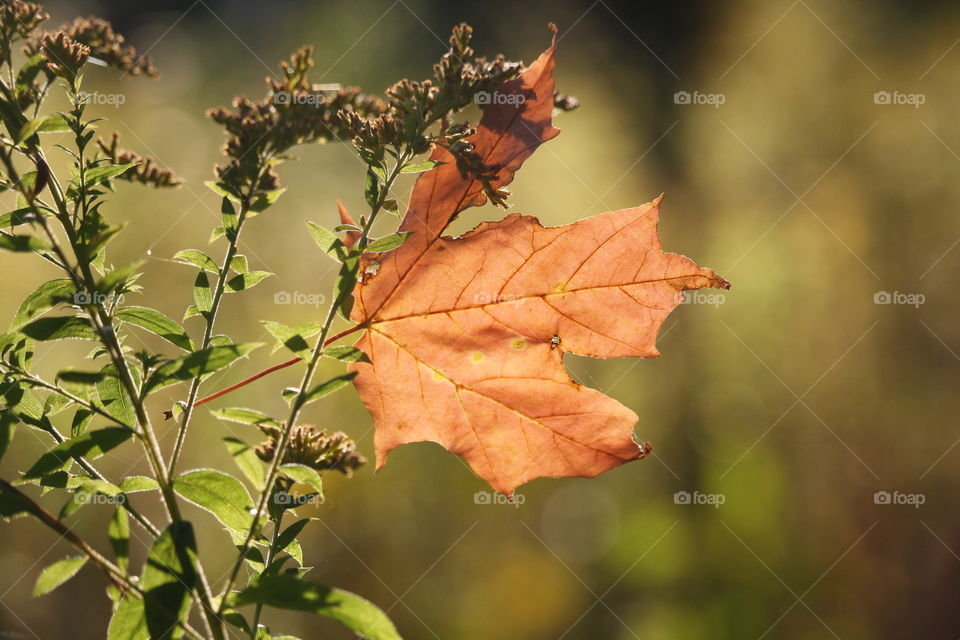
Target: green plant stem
208, 332
297, 403
271, 554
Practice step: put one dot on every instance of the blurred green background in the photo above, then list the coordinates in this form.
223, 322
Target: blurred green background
792, 399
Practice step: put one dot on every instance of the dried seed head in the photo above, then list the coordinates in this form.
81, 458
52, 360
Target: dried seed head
146, 172
313, 447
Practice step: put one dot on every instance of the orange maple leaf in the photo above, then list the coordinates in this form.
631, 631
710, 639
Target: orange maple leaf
466, 335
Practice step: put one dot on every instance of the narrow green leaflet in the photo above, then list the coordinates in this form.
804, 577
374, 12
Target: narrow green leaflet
420, 167
8, 424
265, 200
114, 398
346, 354
244, 416
245, 281
92, 444
197, 364
247, 460
136, 484
323, 389
197, 258
155, 322
59, 328
293, 592
327, 240
202, 295
119, 533
44, 298
293, 338
168, 577
105, 172
289, 535
58, 573
387, 243
22, 243
222, 495
303, 473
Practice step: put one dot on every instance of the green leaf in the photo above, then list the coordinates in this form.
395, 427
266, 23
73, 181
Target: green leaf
197, 258
155, 322
59, 328
327, 240
247, 460
292, 592
19, 216
114, 397
387, 243
222, 495
289, 535
265, 200
244, 281
14, 504
324, 388
8, 424
129, 621
119, 533
103, 173
304, 474
136, 484
290, 338
47, 295
244, 416
79, 378
58, 573
202, 295
420, 167
372, 189
197, 364
222, 189
168, 577
92, 445
346, 354
22, 244
239, 264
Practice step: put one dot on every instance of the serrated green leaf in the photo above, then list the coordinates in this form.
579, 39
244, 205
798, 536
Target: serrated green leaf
292, 592
222, 495
58, 573
155, 322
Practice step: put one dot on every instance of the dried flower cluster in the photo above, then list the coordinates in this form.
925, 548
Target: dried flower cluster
65, 56
293, 112
146, 172
107, 45
18, 18
314, 448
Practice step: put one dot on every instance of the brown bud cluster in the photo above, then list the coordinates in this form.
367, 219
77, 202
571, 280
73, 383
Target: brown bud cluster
146, 172
314, 448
